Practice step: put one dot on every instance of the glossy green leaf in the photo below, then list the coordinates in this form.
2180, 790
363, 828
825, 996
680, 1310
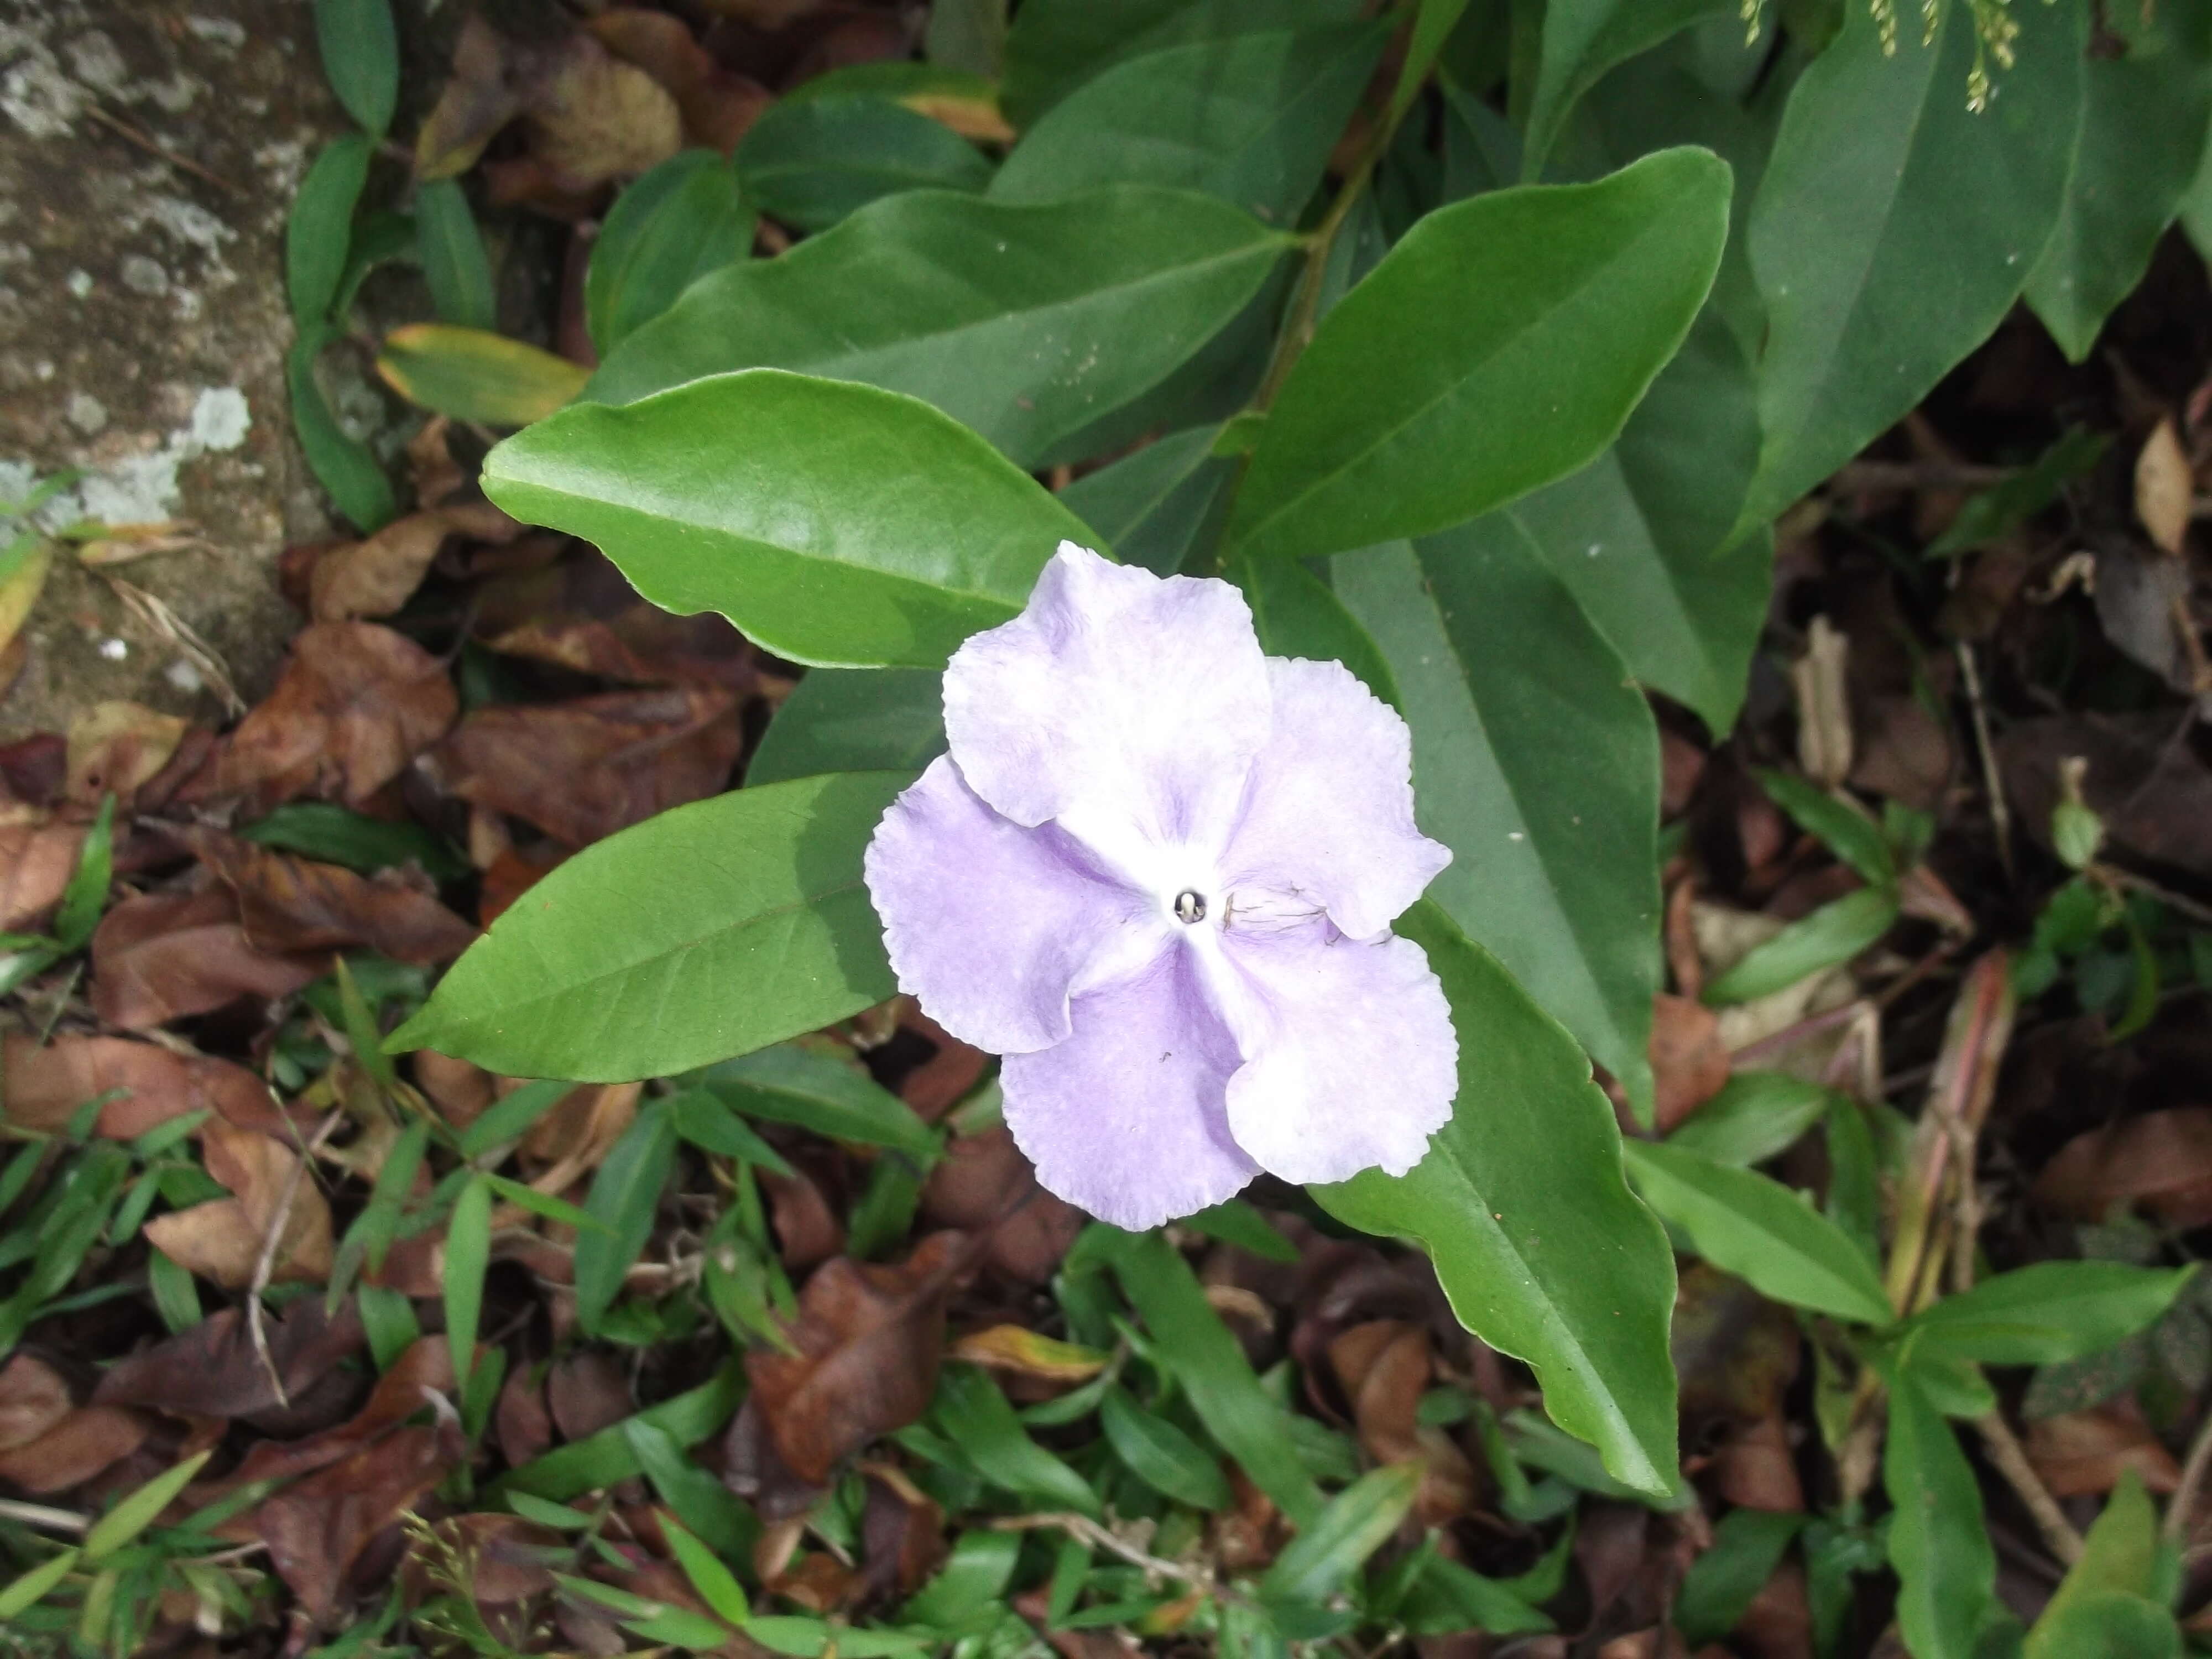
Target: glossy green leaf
670, 227
830, 1095
1894, 227
1296, 614
812, 161
319, 231
1433, 26
1760, 1231
1161, 1454
1938, 1542
452, 252
1251, 119
624, 1197
27, 1590
473, 375
975, 1417
1755, 1116
468, 1257
139, 1508
840, 719
834, 522
2146, 113
1747, 1546
1537, 763
1584, 38
1211, 1369
1574, 1277
341, 464
2049, 1312
361, 57
1158, 505
1026, 323
606, 971
1499, 346
1337, 1542
1645, 535
336, 835
1056, 46
1828, 938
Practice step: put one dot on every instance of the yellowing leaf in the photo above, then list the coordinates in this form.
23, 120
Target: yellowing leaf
472, 375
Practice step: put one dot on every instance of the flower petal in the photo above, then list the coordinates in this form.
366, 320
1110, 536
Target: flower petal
1352, 1060
989, 924
1128, 1118
1330, 803
1118, 701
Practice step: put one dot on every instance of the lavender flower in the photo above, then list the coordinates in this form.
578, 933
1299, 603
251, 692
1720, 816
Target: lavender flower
1156, 872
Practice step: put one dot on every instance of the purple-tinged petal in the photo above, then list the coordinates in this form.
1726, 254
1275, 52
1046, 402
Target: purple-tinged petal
1128, 1118
1351, 1060
1120, 702
989, 924
1328, 813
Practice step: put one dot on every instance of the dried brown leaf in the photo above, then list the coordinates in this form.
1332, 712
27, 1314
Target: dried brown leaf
222, 1240
586, 1392
355, 703
37, 859
717, 106
79, 1446
985, 1183
33, 1400
118, 746
2161, 1160
212, 1371
581, 770
869, 1339
2087, 1452
318, 1528
46, 1082
2164, 487
1384, 1367
1689, 1062
376, 576
2154, 795
163, 956
288, 905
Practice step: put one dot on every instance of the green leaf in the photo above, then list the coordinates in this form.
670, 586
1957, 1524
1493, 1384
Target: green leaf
319, 231
1251, 119
1938, 1543
1026, 323
333, 834
1894, 227
667, 229
21, 1594
711, 1124
473, 375
812, 161
2052, 1311
139, 1509
2119, 1556
1161, 1454
1755, 1116
468, 1255
701, 1501
1644, 536
2106, 1625
1160, 505
1990, 514
1717, 1591
1537, 763
1840, 822
452, 252
811, 1638
1448, 1597
830, 1095
603, 1459
879, 720
1233, 1221
86, 894
1575, 1277
1759, 1229
975, 1417
1811, 944
342, 464
1500, 345
1056, 46
834, 522
606, 972
1336, 1544
1211, 1369
717, 1586
1433, 26
1296, 614
624, 1197
360, 55
509, 1117
1584, 38
2146, 113
972, 1582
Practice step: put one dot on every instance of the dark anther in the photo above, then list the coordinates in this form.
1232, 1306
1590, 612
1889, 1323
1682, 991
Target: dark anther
1189, 907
